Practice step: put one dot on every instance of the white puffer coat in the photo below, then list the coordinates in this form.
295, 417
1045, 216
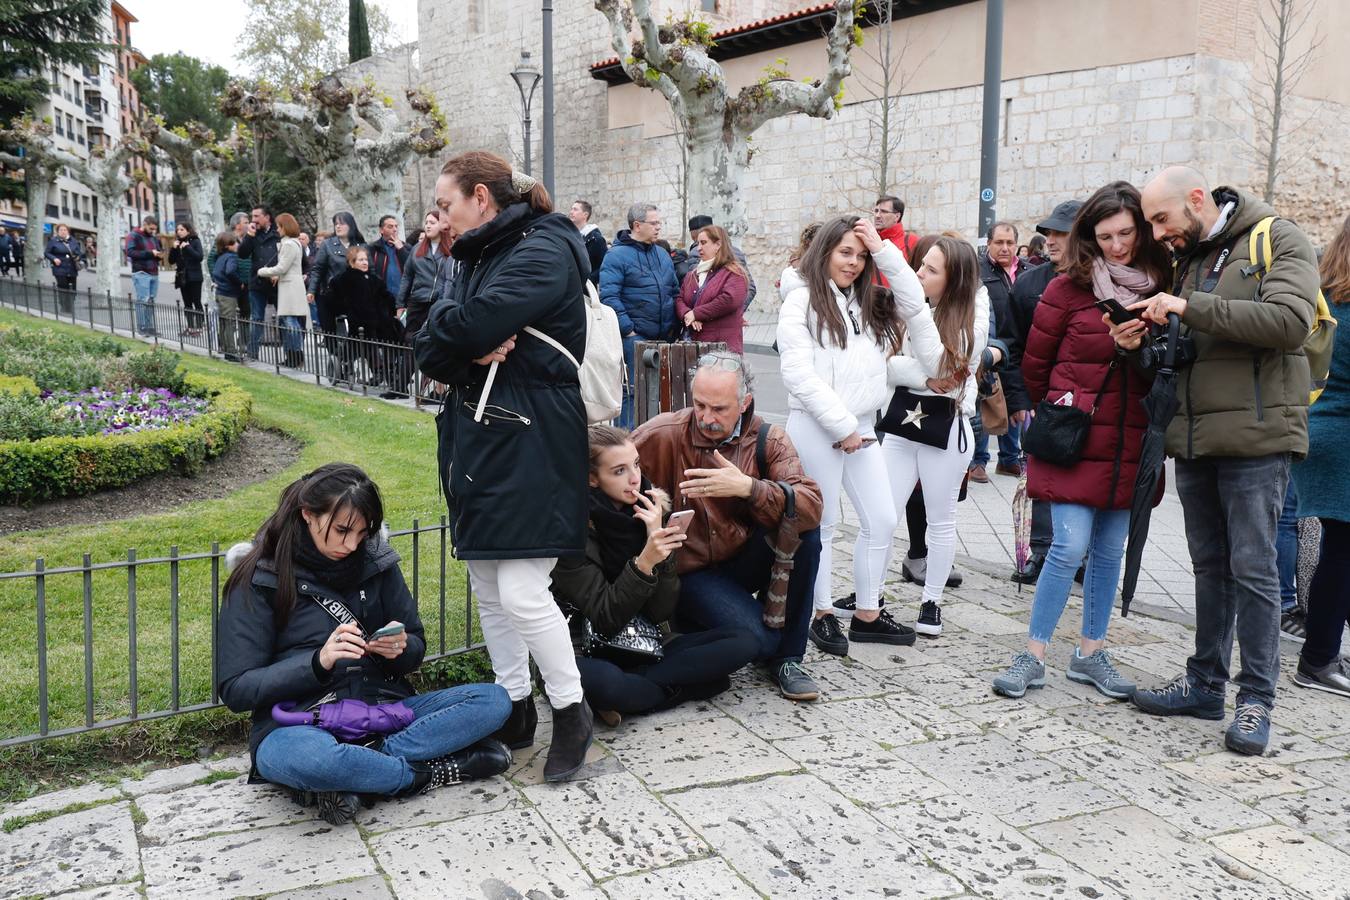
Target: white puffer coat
920, 355
842, 388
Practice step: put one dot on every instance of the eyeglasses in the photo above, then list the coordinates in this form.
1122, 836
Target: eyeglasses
725, 363
656, 224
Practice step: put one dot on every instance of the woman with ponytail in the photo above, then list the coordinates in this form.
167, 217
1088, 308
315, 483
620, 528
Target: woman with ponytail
299, 639
513, 449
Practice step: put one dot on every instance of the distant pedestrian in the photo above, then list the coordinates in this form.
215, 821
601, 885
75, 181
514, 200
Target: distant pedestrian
186, 257
292, 310
259, 246
143, 252
64, 253
580, 214
389, 255
330, 261
886, 215
231, 294
1000, 267
425, 272
6, 247
712, 299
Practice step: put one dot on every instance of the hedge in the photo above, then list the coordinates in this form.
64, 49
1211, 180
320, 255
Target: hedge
17, 385
33, 471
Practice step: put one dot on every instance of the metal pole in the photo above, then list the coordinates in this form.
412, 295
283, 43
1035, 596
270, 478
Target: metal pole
548, 95
527, 141
993, 82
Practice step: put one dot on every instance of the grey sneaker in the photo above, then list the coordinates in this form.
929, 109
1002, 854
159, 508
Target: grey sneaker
793, 682
1098, 671
1026, 672
1334, 677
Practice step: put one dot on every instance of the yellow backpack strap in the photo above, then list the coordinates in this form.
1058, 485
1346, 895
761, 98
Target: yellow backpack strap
1259, 248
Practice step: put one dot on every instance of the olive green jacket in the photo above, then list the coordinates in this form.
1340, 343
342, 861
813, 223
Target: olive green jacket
1247, 392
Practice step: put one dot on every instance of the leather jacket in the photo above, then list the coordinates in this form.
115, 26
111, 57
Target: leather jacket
671, 442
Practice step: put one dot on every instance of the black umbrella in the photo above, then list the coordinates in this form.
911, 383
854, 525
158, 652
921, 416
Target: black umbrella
1161, 405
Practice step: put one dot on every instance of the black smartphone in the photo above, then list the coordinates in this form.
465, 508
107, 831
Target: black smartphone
1119, 314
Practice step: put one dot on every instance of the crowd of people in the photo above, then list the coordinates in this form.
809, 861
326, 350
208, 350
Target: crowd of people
676, 552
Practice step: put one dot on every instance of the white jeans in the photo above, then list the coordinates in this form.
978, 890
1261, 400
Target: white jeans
940, 473
520, 619
863, 475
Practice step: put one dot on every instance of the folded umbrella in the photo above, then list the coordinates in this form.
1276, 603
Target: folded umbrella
349, 719
1161, 404
1021, 512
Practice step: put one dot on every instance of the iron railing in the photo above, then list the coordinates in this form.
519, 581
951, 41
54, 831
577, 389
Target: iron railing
90, 666
351, 361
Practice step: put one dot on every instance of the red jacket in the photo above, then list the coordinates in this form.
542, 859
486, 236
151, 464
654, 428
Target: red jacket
896, 235
1070, 349
719, 306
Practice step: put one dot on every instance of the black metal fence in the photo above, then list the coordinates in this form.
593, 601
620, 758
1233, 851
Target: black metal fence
133, 640
344, 358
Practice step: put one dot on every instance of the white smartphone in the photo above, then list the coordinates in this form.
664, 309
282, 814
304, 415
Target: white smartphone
680, 520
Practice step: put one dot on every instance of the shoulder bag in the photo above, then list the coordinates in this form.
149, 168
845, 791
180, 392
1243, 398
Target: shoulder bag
1057, 434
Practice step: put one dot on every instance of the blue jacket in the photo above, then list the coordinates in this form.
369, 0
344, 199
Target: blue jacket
1322, 479
225, 275
638, 282
64, 256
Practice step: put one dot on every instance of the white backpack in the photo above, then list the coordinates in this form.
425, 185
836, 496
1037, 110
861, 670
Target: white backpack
602, 374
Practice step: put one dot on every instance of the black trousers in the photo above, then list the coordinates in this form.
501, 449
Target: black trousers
1329, 596
192, 302
695, 667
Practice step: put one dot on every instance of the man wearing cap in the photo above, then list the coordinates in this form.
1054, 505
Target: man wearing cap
1013, 331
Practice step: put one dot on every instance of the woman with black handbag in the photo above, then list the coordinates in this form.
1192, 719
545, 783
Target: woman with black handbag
929, 414
623, 594
834, 335
1085, 439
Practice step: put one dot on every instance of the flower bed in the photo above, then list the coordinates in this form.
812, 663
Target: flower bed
96, 411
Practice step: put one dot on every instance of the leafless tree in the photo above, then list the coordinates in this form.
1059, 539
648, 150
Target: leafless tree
1286, 51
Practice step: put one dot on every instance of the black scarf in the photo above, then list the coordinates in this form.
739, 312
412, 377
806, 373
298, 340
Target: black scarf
341, 574
620, 534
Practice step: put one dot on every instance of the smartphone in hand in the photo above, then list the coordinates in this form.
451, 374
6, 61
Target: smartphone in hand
1119, 314
389, 630
681, 520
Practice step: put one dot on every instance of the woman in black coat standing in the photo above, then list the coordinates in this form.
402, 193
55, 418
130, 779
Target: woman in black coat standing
186, 257
513, 449
64, 253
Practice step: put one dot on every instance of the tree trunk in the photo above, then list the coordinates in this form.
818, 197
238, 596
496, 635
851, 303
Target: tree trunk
39, 183
109, 264
718, 161
370, 193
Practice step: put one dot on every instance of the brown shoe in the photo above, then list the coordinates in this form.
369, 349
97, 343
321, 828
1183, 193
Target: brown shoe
979, 475
1015, 470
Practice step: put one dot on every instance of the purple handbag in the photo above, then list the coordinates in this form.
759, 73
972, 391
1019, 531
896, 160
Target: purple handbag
348, 720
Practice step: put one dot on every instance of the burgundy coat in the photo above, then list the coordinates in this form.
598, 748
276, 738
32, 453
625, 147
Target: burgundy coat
719, 306
1070, 349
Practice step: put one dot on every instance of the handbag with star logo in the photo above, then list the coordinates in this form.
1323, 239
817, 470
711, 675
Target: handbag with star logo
922, 418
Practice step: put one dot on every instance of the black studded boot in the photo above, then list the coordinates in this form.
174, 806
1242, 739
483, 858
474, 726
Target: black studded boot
484, 759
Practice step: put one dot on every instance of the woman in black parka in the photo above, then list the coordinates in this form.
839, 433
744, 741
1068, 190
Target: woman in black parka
302, 605
515, 477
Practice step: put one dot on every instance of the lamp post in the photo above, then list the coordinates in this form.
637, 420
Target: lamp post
526, 77
547, 13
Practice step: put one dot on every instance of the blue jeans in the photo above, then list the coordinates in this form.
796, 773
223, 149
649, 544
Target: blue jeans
292, 331
257, 314
311, 759
724, 595
1009, 447
1286, 549
1232, 508
626, 414
1080, 532
146, 287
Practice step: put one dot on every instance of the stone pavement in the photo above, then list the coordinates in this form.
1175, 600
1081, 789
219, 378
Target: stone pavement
909, 778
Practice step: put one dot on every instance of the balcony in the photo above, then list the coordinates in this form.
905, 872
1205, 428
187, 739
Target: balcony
94, 113
92, 87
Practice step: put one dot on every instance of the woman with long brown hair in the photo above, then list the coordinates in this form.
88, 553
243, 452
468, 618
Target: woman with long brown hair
513, 450
1072, 360
425, 276
834, 334
1324, 491
937, 357
712, 298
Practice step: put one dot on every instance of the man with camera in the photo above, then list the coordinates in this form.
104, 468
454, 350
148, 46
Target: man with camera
1243, 415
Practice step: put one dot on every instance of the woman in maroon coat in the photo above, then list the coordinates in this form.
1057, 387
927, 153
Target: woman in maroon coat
712, 297
1070, 358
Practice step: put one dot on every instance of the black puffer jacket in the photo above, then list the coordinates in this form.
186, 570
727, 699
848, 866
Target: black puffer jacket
361, 297
262, 249
516, 481
330, 261
258, 665
421, 280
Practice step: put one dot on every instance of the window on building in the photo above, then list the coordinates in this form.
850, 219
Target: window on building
65, 203
710, 6
59, 130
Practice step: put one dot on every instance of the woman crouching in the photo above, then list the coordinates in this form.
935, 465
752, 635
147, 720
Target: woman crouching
627, 576
298, 643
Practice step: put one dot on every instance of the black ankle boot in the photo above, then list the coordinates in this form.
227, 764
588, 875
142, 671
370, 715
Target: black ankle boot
335, 807
518, 732
573, 729
484, 759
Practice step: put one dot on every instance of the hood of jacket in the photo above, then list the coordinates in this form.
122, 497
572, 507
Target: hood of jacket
1247, 211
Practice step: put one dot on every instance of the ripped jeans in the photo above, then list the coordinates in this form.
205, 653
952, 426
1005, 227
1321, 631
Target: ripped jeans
1081, 533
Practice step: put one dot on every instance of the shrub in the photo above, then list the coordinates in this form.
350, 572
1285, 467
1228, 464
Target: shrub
158, 368
55, 362
62, 466
17, 386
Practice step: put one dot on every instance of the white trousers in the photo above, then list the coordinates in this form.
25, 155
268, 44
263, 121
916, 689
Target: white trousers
520, 619
863, 475
940, 472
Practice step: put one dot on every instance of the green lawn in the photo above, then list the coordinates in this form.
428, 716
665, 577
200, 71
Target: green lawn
396, 446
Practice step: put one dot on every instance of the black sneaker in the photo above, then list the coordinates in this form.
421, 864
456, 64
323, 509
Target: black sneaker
844, 607
828, 636
930, 619
1294, 625
881, 630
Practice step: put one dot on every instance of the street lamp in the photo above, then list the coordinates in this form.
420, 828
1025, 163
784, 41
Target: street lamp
526, 77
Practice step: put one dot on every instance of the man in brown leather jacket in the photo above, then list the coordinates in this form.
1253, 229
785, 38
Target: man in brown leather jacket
705, 458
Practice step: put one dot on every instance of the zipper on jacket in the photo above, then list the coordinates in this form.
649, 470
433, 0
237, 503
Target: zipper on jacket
1256, 378
854, 320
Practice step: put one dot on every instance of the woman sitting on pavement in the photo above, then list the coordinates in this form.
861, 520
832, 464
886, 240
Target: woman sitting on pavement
1071, 358
629, 571
299, 628
712, 298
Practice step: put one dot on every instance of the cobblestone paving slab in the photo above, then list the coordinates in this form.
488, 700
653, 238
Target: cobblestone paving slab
792, 836
690, 753
1161, 738
231, 805
861, 769
1304, 863
107, 892
991, 857
1246, 778
761, 710
502, 855
164, 780
50, 802
1324, 812
256, 862
372, 887
441, 805
874, 718
94, 846
614, 825
700, 880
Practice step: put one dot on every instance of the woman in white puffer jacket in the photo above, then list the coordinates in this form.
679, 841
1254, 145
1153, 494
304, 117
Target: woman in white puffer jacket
939, 354
835, 334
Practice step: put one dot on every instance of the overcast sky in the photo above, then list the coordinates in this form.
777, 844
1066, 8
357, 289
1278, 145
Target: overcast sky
210, 31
